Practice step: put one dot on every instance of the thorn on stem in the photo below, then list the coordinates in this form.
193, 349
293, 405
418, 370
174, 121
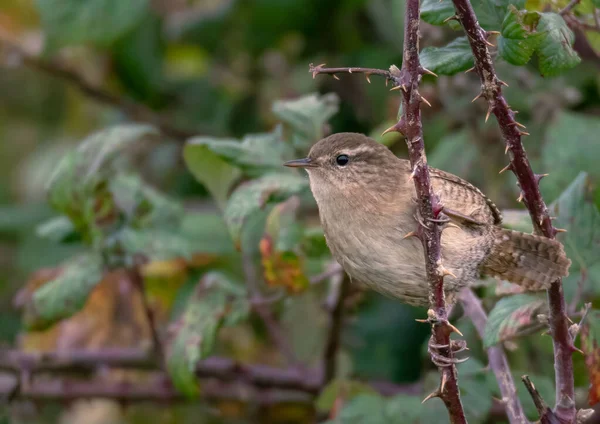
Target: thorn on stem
410, 234
477, 97
489, 111
506, 149
395, 88
446, 271
518, 124
559, 230
431, 396
503, 83
336, 77
469, 70
450, 18
488, 43
488, 33
427, 71
538, 177
506, 168
425, 101
391, 129
443, 385
454, 329
524, 133
520, 198
367, 77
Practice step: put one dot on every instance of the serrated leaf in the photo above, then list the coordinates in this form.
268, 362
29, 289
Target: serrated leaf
255, 154
450, 59
214, 301
519, 38
511, 316
575, 211
490, 14
556, 51
78, 187
566, 160
590, 344
252, 196
100, 22
435, 12
216, 174
307, 116
64, 295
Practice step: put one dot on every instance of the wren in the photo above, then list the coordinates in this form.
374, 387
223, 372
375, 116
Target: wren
366, 205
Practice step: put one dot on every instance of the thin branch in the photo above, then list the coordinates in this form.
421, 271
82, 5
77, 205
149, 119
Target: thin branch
497, 359
340, 286
491, 88
429, 211
135, 111
138, 281
262, 309
544, 411
333, 270
316, 70
569, 7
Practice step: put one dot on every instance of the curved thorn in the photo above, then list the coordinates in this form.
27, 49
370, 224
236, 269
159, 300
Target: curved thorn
488, 43
506, 168
431, 396
524, 133
427, 71
469, 70
477, 97
493, 33
503, 83
450, 18
454, 329
560, 230
506, 149
367, 77
446, 271
391, 129
443, 385
518, 124
489, 111
410, 234
403, 88
425, 101
520, 198
336, 77
395, 88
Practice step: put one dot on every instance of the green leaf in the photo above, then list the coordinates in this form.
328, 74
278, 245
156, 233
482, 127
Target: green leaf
66, 294
519, 40
572, 146
82, 174
450, 59
209, 232
256, 154
511, 316
475, 390
435, 12
374, 409
252, 196
444, 155
157, 244
216, 174
195, 332
307, 116
58, 229
576, 212
313, 243
556, 51
491, 13
100, 22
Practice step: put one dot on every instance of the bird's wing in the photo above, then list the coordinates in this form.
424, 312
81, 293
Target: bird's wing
463, 201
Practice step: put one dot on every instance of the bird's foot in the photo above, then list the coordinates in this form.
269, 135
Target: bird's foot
446, 358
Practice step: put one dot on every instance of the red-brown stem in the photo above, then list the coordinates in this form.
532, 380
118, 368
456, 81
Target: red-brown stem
340, 285
497, 359
529, 183
428, 205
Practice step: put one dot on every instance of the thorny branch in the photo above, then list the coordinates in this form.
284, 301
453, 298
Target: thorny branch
429, 206
497, 359
491, 90
135, 111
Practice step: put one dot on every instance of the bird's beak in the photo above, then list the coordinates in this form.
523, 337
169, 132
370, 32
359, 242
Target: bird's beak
300, 163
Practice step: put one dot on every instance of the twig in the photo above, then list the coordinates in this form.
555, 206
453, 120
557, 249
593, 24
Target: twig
429, 209
327, 274
263, 310
138, 281
319, 69
497, 359
529, 183
135, 111
340, 285
569, 7
575, 328
546, 414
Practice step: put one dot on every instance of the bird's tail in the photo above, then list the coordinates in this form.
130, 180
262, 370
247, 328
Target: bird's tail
533, 262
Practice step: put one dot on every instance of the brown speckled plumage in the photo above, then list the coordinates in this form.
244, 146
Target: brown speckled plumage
366, 209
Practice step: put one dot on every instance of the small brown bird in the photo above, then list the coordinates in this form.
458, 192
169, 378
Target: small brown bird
364, 194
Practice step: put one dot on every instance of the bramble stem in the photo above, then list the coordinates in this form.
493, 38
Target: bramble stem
529, 183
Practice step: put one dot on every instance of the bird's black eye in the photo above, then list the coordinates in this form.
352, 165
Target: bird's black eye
342, 160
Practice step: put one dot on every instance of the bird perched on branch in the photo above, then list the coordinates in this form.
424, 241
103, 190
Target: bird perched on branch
365, 196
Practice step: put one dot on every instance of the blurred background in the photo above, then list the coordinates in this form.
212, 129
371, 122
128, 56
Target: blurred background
215, 69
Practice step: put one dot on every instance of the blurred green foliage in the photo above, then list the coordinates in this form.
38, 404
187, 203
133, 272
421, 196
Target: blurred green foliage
86, 191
